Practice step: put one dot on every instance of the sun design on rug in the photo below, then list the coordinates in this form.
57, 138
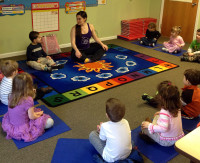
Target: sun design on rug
94, 66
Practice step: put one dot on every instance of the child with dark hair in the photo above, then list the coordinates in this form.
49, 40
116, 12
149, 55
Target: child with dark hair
36, 57
193, 52
166, 127
190, 96
151, 36
112, 140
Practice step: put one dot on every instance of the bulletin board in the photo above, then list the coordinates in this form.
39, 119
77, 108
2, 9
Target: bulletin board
27, 3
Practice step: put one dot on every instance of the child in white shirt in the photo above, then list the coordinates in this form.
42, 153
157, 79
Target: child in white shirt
112, 139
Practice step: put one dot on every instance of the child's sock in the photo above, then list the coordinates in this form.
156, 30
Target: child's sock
48, 69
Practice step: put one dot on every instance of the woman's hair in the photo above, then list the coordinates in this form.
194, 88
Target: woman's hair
83, 14
193, 76
152, 25
198, 30
169, 97
22, 87
176, 29
115, 109
8, 67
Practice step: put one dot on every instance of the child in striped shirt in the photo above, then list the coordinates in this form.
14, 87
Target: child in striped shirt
9, 69
166, 127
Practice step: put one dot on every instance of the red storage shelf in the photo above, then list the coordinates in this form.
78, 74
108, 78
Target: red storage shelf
134, 28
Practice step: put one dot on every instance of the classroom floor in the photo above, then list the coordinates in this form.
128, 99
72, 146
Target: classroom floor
83, 115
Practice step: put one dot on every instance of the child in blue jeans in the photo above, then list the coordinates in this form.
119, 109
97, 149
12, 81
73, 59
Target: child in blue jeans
112, 140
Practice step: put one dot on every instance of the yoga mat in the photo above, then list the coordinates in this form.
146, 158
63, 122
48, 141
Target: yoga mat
58, 128
73, 151
80, 150
155, 152
150, 47
190, 124
177, 54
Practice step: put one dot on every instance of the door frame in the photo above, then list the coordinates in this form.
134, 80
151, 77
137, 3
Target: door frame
196, 21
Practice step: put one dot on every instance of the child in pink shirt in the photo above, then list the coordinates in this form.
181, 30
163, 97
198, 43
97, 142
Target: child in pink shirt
166, 127
175, 43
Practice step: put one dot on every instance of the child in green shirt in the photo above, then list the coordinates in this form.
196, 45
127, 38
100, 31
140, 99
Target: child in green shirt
193, 53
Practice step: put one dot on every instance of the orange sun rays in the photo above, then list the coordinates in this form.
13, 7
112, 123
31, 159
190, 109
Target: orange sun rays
94, 66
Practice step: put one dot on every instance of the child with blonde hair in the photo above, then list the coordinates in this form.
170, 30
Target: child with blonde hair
23, 121
175, 43
166, 127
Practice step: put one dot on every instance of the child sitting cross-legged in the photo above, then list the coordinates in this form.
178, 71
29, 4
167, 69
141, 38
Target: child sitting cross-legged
166, 127
112, 140
193, 52
151, 36
36, 57
190, 96
23, 121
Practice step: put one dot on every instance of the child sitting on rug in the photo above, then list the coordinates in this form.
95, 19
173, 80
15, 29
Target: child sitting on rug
175, 43
193, 52
166, 127
191, 94
112, 140
36, 57
9, 68
151, 36
23, 121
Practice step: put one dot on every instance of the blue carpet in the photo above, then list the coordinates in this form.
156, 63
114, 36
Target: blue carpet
64, 80
190, 124
58, 128
150, 47
155, 152
178, 54
77, 80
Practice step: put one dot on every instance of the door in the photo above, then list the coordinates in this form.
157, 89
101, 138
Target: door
179, 13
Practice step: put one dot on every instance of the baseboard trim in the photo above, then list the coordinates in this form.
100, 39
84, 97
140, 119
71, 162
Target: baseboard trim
23, 52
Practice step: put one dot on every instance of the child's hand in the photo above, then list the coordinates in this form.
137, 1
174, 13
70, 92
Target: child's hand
157, 113
190, 54
145, 124
48, 57
39, 114
99, 127
155, 39
38, 61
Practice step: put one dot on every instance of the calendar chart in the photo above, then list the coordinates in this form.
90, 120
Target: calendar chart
45, 16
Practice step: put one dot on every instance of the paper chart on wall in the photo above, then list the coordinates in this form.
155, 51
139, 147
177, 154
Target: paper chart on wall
45, 16
101, 2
